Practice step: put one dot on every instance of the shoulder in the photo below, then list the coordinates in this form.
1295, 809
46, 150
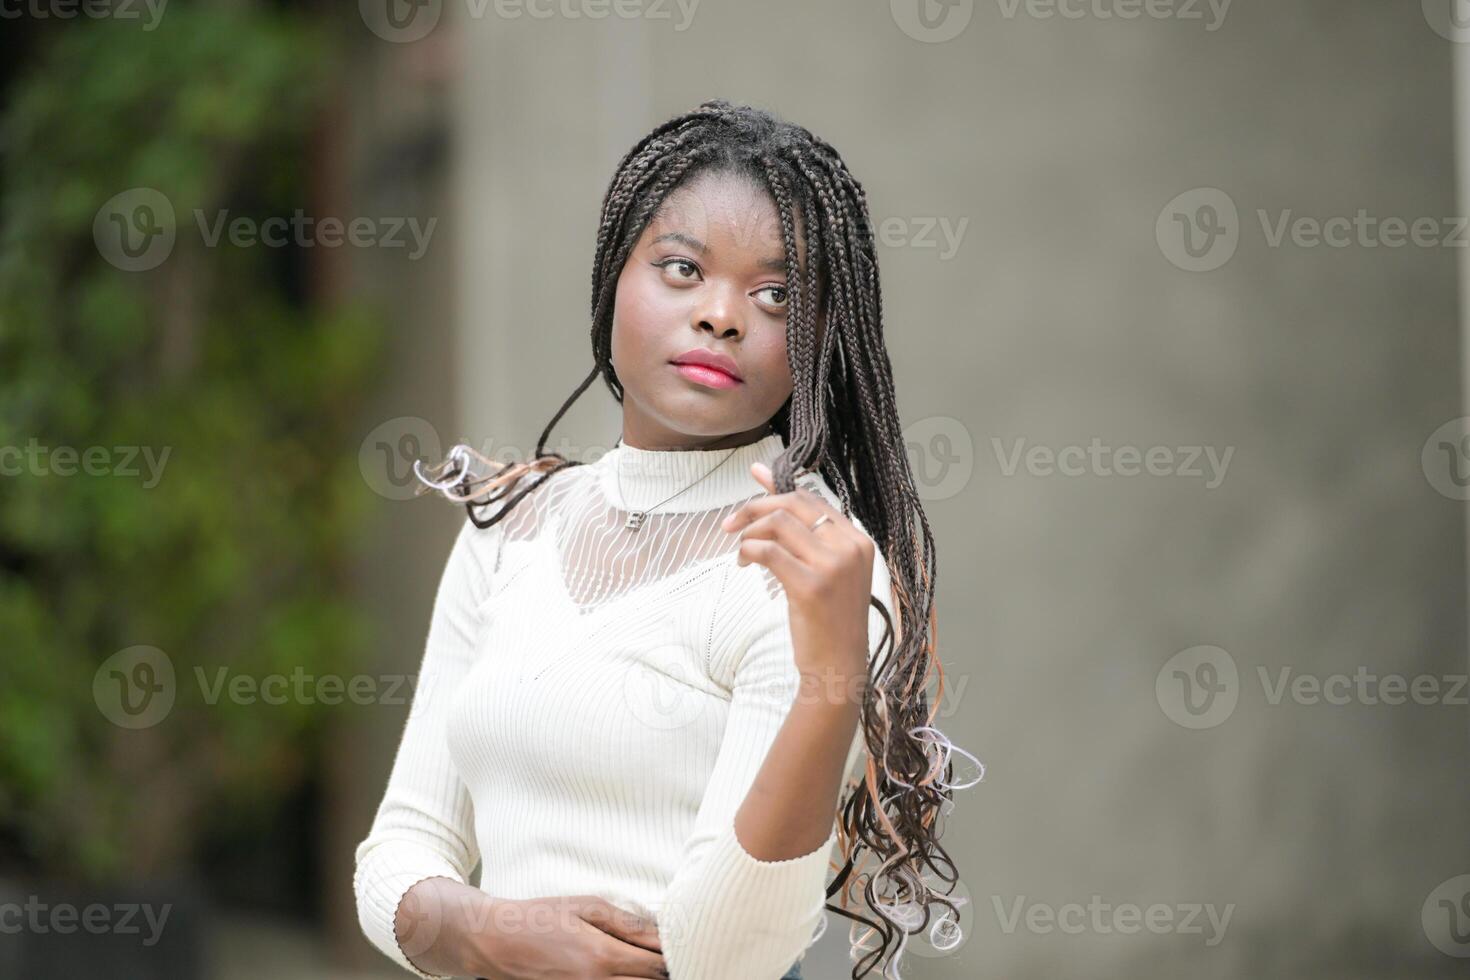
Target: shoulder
475, 553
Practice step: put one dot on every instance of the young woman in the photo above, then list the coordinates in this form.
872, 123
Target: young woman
648, 676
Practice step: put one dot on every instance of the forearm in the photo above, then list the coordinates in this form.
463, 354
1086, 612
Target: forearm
749, 890
789, 809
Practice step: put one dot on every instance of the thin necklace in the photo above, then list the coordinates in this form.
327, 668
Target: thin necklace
636, 517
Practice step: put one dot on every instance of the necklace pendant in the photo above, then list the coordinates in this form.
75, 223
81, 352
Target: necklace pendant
635, 520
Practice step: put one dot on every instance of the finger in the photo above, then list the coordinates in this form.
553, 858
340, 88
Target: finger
624, 960
789, 571
804, 504
627, 926
763, 476
791, 532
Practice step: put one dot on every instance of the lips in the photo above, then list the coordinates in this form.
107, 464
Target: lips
710, 360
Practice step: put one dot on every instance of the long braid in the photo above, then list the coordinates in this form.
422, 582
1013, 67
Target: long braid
801, 330
841, 420
853, 247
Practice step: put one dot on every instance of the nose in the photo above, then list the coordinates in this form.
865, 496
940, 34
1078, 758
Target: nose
718, 311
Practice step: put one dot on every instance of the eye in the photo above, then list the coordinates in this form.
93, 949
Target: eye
780, 295
681, 265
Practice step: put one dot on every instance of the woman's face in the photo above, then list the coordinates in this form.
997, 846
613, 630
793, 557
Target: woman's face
707, 275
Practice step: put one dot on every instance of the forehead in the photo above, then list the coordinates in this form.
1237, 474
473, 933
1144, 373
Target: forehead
726, 212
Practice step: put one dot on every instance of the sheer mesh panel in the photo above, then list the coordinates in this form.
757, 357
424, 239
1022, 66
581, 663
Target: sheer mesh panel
600, 558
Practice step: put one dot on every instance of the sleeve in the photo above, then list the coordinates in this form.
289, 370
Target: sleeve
727, 915
424, 826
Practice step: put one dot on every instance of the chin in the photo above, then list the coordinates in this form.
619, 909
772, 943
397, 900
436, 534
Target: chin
706, 421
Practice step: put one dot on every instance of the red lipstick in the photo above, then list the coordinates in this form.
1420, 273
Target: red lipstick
708, 368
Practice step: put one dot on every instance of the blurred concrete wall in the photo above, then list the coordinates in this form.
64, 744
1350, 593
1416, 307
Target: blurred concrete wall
1061, 298
392, 132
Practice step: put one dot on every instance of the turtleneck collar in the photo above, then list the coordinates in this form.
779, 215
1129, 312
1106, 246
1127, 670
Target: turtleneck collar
713, 477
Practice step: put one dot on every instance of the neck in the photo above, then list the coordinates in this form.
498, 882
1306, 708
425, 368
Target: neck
634, 478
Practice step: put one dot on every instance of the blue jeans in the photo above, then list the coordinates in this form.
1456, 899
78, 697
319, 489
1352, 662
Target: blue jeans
794, 973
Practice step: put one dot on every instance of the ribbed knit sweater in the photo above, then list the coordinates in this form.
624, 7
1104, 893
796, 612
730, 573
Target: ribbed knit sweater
593, 704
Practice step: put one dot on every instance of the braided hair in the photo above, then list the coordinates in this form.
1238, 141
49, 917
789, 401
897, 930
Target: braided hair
840, 420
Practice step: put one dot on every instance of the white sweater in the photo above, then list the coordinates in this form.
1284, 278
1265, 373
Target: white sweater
592, 706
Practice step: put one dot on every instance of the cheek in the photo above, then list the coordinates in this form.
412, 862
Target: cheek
634, 314
643, 310
767, 353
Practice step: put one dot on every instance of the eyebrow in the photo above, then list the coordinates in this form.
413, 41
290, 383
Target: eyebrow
770, 265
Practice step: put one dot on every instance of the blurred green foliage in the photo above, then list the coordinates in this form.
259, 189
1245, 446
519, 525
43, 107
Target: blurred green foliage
236, 558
